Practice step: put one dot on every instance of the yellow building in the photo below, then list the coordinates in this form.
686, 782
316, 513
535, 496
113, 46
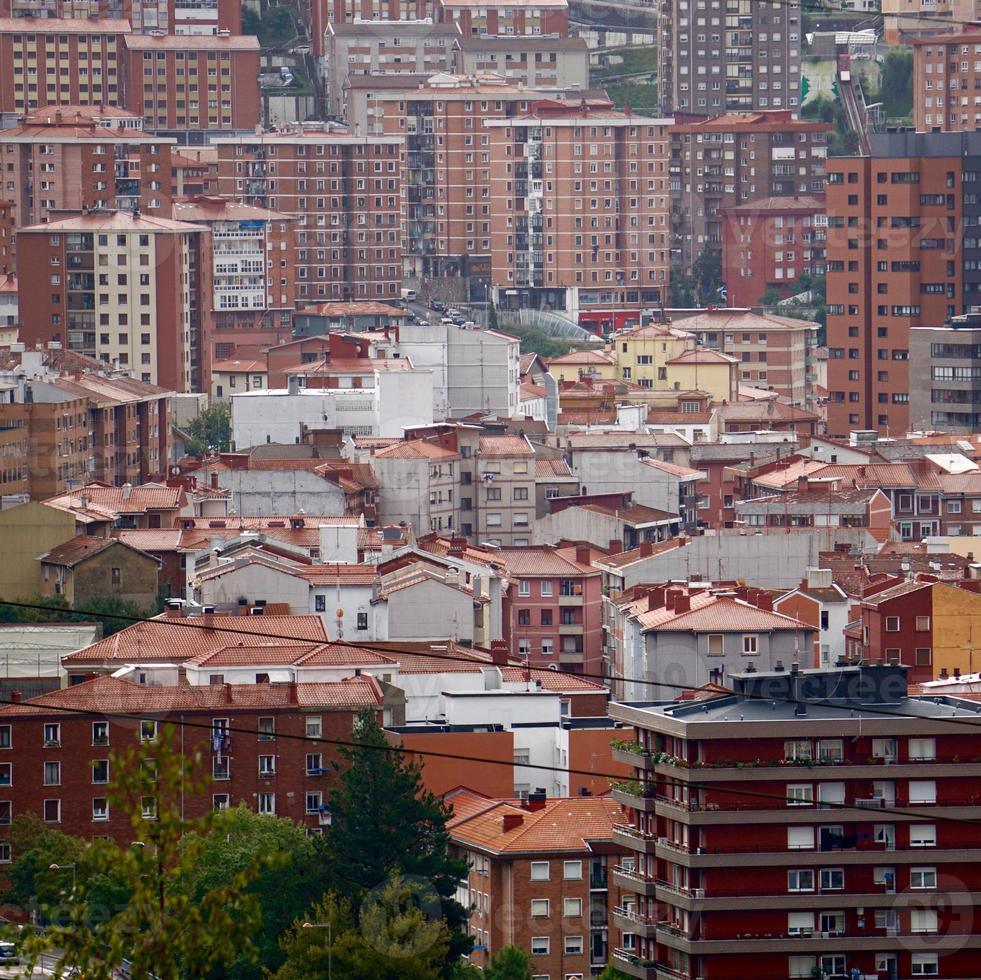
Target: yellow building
600, 365
705, 370
28, 531
642, 354
956, 630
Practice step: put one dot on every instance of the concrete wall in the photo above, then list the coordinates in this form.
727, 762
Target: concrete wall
430, 611
263, 492
26, 532
256, 582
620, 472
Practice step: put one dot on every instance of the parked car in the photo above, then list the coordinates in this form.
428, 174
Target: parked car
437, 306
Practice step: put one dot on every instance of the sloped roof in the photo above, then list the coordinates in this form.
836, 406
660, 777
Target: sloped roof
504, 446
711, 613
120, 500
537, 560
81, 547
415, 449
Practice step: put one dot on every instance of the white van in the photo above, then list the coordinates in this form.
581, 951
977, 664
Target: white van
409, 295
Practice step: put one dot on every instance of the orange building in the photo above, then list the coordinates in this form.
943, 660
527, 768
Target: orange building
946, 81
579, 208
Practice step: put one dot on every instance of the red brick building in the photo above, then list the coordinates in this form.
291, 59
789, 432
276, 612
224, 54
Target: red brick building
187, 84
506, 17
765, 831
946, 74
62, 762
46, 61
767, 244
183, 17
555, 607
539, 878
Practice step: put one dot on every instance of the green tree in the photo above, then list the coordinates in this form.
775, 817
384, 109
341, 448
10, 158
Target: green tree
385, 822
250, 21
161, 930
210, 431
509, 963
707, 274
388, 937
896, 83
284, 889
610, 972
771, 297
682, 291
112, 612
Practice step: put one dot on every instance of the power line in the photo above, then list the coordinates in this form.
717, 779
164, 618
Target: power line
457, 757
381, 647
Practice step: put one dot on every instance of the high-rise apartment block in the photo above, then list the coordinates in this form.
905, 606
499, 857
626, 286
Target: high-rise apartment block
579, 208
734, 159
114, 286
945, 375
800, 824
55, 62
80, 158
345, 193
947, 82
169, 16
717, 56
248, 260
506, 17
903, 252
185, 85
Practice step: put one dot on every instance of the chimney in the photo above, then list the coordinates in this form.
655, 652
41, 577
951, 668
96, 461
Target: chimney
655, 598
582, 555
499, 652
208, 614
764, 601
15, 697
646, 549
127, 490
802, 484
957, 672
943, 674
615, 547
682, 603
214, 480
292, 693
671, 597
228, 694
173, 609
512, 821
536, 801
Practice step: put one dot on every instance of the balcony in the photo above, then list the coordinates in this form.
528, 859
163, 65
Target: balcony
634, 881
631, 754
629, 920
628, 962
634, 839
634, 794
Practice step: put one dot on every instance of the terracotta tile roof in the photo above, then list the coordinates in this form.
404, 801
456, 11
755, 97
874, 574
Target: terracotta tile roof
717, 614
883, 475
204, 208
659, 416
703, 355
752, 321
77, 549
119, 221
588, 416
545, 560
415, 449
113, 695
896, 592
635, 555
617, 439
552, 680
192, 42
790, 474
437, 545
234, 366
105, 392
561, 826
552, 468
416, 574
583, 358
655, 331
283, 654
504, 446
349, 476
672, 469
114, 500
63, 25
175, 640
466, 803
151, 539
367, 308
768, 411
337, 574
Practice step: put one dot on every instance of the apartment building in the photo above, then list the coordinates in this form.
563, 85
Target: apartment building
247, 258
52, 62
768, 244
186, 85
384, 47
789, 852
114, 286
718, 56
536, 61
539, 878
721, 163
77, 158
7, 227
506, 17
503, 497
579, 208
554, 614
774, 352
947, 81
62, 757
170, 16
945, 375
902, 253
345, 193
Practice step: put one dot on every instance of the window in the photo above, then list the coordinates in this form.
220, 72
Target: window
5, 741
572, 908
922, 749
315, 766
892, 624
922, 791
832, 879
267, 803
573, 945
267, 765
923, 878
715, 645
804, 966
922, 920
539, 945
750, 644
546, 588
5, 853
524, 587
100, 808
6, 773
52, 811
884, 748
267, 729
314, 726
800, 838
925, 965
922, 624
923, 835
539, 870
362, 621
797, 750
800, 880
572, 870
539, 907
800, 923
52, 734
100, 771
830, 750
148, 731
220, 801
100, 733
800, 794
52, 774
148, 807
314, 801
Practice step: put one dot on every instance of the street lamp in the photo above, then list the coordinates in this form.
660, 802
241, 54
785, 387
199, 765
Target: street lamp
65, 867
330, 943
